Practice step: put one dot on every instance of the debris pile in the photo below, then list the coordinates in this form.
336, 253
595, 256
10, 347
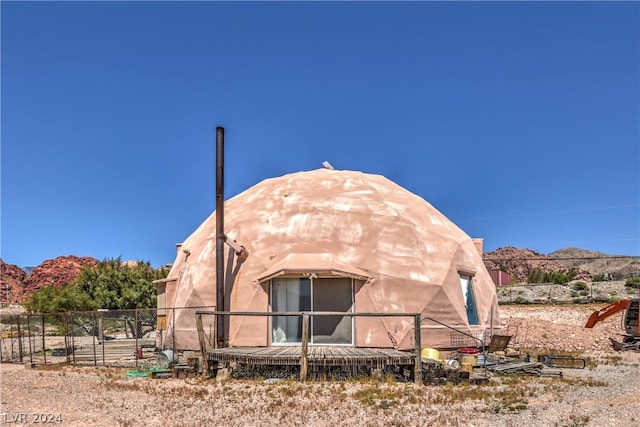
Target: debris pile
474, 364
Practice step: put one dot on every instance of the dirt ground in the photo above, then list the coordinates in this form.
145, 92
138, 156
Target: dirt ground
606, 393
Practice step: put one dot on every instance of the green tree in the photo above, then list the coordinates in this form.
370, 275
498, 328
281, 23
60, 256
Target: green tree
558, 277
114, 285
109, 284
51, 299
535, 276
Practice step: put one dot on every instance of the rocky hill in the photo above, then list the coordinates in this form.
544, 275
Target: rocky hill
597, 263
57, 272
11, 282
521, 263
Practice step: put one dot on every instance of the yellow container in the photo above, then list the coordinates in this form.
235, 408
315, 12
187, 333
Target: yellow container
465, 367
471, 359
430, 353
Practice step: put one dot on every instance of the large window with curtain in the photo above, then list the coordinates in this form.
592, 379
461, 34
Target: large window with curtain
469, 299
289, 295
332, 294
312, 294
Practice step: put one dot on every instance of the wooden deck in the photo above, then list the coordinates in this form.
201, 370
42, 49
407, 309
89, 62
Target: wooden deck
316, 356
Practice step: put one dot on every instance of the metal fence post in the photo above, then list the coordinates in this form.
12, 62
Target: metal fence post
73, 340
94, 329
101, 332
44, 342
173, 331
136, 326
19, 338
28, 334
65, 323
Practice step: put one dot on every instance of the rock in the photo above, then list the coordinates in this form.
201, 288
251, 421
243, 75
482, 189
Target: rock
597, 263
11, 282
520, 263
57, 272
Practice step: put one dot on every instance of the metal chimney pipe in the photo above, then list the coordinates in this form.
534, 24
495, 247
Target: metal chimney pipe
220, 305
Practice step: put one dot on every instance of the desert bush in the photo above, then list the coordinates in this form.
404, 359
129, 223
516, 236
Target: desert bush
580, 286
557, 277
633, 282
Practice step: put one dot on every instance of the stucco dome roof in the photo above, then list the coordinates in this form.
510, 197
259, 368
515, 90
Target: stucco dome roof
351, 222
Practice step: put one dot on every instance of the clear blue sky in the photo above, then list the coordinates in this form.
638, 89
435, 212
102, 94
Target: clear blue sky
518, 120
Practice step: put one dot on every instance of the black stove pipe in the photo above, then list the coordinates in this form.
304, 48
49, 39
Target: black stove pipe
220, 303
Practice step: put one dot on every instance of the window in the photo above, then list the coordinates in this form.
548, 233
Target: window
314, 294
469, 299
332, 294
289, 295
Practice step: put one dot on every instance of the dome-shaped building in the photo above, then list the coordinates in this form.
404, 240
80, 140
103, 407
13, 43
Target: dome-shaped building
332, 240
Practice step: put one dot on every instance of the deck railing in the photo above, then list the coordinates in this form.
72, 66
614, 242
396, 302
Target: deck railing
304, 344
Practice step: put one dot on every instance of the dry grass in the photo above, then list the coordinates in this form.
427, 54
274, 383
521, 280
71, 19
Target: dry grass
605, 394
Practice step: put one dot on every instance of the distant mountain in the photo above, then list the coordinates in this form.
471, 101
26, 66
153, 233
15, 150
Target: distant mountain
596, 263
521, 263
28, 270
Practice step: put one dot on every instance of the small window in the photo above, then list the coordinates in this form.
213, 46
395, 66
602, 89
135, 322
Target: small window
466, 283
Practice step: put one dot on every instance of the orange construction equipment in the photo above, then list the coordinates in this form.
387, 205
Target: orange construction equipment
631, 341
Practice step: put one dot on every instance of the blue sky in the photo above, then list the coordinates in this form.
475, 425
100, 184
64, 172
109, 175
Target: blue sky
518, 120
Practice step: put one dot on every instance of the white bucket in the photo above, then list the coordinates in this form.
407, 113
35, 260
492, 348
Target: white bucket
165, 359
453, 363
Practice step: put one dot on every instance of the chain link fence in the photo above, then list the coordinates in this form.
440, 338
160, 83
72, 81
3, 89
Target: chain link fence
102, 337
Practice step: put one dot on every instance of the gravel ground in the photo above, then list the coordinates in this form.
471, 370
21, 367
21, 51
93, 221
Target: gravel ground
605, 394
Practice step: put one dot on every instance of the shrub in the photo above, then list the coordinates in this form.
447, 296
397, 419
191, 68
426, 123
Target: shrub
580, 286
557, 277
633, 282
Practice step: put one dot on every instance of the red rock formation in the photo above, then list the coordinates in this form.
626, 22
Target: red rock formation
11, 282
520, 263
57, 272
